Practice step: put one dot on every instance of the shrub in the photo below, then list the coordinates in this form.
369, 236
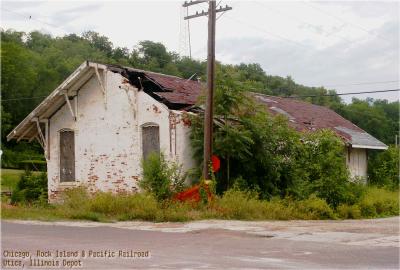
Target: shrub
349, 211
125, 207
75, 204
281, 209
324, 162
383, 168
75, 198
234, 204
379, 202
160, 178
78, 204
31, 188
175, 212
315, 208
237, 204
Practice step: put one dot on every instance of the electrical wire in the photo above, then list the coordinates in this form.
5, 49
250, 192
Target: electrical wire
347, 22
30, 18
361, 83
269, 8
345, 94
264, 31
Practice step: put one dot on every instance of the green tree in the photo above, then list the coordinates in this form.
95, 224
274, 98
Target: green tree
383, 168
154, 51
98, 41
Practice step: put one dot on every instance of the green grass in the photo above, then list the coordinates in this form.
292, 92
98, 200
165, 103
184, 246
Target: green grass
9, 178
31, 213
238, 205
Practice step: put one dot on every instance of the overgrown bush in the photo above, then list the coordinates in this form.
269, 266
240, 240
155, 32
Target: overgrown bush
265, 153
234, 204
383, 168
125, 207
325, 168
315, 208
31, 188
237, 204
349, 211
79, 204
161, 178
378, 202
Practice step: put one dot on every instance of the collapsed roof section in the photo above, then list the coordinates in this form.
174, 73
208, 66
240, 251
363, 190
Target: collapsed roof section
175, 92
305, 116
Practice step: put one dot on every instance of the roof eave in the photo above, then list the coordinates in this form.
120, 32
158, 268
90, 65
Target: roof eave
376, 147
48, 101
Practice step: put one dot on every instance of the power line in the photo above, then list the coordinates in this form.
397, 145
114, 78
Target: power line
298, 19
345, 94
264, 31
361, 83
30, 18
347, 22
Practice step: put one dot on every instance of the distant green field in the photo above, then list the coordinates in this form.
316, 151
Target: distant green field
9, 178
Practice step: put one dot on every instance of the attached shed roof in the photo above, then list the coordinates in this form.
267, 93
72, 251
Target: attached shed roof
305, 116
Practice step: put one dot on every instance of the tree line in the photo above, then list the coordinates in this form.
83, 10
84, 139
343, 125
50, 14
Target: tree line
35, 63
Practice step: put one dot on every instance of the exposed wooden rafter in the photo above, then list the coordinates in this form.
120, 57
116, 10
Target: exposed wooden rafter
25, 132
42, 138
69, 105
103, 89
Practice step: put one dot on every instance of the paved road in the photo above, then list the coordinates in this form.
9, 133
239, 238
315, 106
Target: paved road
361, 244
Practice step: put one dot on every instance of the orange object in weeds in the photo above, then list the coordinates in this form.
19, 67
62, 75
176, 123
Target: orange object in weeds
216, 163
193, 194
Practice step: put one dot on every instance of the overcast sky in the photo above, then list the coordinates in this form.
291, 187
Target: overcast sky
349, 46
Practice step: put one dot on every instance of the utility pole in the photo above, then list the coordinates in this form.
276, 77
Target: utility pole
208, 116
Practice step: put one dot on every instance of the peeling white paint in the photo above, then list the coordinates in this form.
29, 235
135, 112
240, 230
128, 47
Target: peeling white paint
357, 163
108, 141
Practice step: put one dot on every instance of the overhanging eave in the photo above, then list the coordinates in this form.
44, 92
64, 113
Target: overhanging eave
51, 104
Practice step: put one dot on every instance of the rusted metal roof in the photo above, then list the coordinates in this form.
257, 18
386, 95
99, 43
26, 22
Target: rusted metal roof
182, 91
305, 116
176, 92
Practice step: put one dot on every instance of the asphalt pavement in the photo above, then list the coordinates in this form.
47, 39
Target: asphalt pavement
213, 244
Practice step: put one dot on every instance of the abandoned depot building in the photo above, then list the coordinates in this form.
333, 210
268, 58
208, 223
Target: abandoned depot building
97, 126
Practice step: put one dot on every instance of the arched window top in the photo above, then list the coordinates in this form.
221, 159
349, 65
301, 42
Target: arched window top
65, 130
149, 124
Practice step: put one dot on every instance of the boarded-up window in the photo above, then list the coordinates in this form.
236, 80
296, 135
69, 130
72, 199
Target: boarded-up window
150, 140
67, 156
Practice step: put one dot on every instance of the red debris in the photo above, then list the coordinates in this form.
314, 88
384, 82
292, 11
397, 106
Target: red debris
193, 194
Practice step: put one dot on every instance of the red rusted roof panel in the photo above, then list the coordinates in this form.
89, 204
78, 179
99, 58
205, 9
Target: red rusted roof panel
302, 116
182, 91
305, 116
